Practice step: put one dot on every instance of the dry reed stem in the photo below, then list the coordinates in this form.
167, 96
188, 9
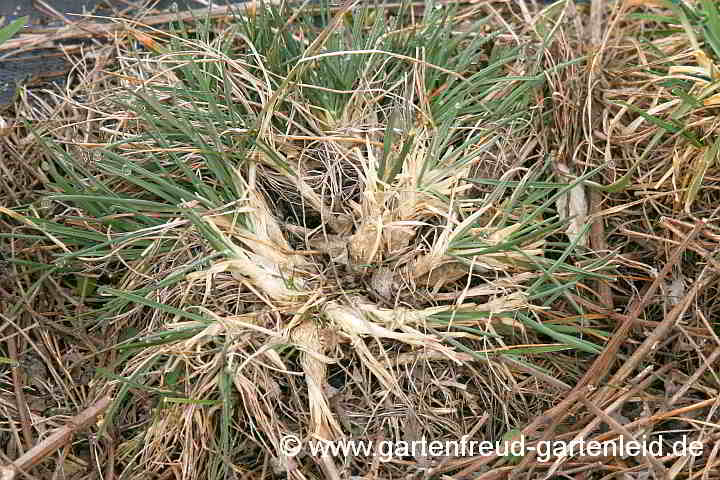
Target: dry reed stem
659, 333
657, 468
18, 386
600, 367
55, 441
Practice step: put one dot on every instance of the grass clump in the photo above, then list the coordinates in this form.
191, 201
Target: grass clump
338, 223
279, 198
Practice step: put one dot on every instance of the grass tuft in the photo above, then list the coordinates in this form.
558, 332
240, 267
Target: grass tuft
374, 222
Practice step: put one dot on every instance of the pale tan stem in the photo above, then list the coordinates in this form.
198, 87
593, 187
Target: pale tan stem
58, 439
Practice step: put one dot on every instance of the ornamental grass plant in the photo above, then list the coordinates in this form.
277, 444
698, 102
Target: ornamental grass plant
368, 222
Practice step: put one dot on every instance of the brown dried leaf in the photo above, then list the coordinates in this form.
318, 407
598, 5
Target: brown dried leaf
573, 206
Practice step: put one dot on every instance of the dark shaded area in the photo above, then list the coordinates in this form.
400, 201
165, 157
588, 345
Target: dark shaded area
43, 64
18, 68
39, 15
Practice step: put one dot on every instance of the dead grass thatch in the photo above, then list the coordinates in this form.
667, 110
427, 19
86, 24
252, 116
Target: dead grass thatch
367, 224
